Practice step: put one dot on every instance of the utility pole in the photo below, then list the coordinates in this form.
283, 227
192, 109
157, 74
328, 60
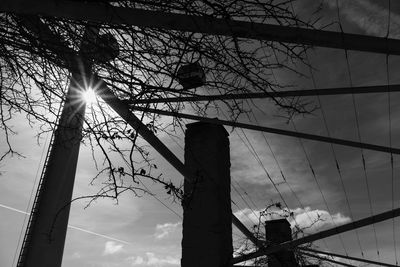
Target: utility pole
278, 231
207, 214
44, 239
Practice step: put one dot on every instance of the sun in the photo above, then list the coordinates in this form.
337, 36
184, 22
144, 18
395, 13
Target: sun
89, 96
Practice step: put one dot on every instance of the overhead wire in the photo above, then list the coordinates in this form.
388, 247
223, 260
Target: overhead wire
358, 130
323, 240
281, 172
390, 134
244, 200
319, 186
26, 214
333, 151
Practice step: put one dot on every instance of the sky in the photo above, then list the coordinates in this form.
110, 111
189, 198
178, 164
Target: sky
141, 231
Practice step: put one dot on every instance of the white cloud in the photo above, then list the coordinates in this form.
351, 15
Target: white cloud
164, 230
152, 260
76, 255
368, 16
315, 220
112, 247
308, 219
135, 260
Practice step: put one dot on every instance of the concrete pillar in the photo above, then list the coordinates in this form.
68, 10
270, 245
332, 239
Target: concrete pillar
45, 237
278, 231
207, 214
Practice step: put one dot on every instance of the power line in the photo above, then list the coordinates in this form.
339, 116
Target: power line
272, 130
319, 187
390, 135
334, 153
358, 129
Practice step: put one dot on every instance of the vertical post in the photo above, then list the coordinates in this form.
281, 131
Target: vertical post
278, 231
45, 244
207, 214
44, 239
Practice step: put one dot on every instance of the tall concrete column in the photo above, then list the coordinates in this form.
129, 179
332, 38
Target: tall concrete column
207, 214
44, 240
278, 231
45, 237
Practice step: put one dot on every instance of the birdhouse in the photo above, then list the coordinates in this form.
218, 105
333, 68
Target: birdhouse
108, 48
191, 75
104, 49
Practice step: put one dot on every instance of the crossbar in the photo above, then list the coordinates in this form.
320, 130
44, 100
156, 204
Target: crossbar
320, 235
346, 257
291, 93
327, 259
272, 130
107, 14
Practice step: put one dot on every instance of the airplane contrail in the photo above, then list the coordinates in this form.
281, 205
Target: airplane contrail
72, 227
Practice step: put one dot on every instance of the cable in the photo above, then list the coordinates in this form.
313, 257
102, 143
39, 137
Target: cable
256, 216
319, 186
26, 214
281, 171
43, 169
390, 134
334, 153
358, 129
244, 191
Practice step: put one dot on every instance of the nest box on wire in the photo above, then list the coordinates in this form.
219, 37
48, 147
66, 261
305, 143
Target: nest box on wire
104, 49
191, 75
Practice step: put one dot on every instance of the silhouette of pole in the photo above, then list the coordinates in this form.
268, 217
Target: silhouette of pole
44, 239
276, 232
124, 110
207, 214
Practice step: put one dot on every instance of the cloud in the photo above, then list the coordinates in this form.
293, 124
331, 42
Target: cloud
164, 230
152, 260
316, 220
369, 16
307, 219
76, 255
136, 260
112, 247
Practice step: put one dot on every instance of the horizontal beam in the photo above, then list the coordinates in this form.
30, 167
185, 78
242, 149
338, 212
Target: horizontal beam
346, 257
320, 235
107, 14
272, 130
246, 231
292, 93
327, 259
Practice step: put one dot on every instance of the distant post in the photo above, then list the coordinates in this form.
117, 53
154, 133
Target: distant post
278, 231
207, 214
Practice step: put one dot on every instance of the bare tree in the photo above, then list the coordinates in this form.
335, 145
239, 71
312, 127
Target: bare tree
36, 55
